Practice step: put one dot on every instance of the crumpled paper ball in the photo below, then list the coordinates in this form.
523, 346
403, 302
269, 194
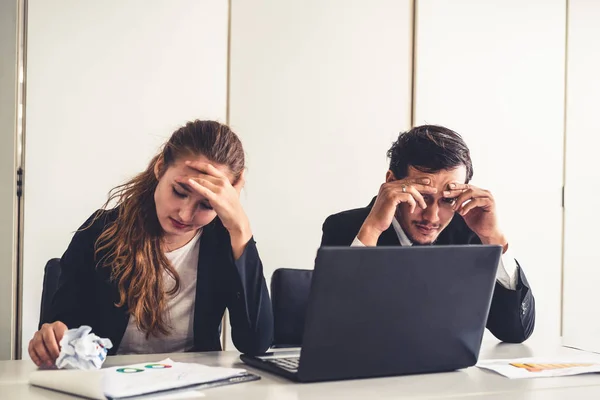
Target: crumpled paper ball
81, 349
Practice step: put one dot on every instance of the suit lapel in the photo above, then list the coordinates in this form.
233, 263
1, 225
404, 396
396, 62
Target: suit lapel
388, 238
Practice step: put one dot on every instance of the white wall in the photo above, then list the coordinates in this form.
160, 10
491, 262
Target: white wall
581, 326
319, 90
108, 82
494, 71
8, 175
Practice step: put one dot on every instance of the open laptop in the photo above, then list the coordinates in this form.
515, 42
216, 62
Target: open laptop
384, 311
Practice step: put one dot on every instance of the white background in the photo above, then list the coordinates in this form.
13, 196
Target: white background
581, 326
318, 90
108, 82
494, 71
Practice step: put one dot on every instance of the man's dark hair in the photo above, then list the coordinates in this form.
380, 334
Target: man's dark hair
429, 148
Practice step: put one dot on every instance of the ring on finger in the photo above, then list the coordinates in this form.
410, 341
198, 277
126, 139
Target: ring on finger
403, 188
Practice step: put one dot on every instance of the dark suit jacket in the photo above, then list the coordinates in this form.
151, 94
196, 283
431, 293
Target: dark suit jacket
512, 313
86, 295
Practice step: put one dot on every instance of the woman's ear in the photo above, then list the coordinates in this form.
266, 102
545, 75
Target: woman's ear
389, 176
158, 166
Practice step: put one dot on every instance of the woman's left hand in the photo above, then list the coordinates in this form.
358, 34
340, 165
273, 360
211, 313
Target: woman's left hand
224, 198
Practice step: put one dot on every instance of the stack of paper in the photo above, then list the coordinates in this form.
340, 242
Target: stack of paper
136, 380
520, 368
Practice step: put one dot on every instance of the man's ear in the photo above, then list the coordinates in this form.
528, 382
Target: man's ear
389, 176
158, 166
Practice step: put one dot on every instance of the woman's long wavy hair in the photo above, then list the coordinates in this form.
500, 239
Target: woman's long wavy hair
132, 246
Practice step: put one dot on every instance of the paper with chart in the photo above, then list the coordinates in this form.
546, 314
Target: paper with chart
536, 367
132, 380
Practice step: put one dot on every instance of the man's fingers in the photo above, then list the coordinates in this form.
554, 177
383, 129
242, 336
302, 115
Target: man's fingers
477, 192
407, 194
471, 194
459, 186
410, 198
412, 181
424, 189
411, 201
452, 193
460, 200
418, 181
456, 189
480, 202
416, 196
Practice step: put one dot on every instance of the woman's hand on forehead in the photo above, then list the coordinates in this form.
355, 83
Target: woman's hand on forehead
198, 167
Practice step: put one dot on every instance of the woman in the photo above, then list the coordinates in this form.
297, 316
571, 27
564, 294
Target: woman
155, 273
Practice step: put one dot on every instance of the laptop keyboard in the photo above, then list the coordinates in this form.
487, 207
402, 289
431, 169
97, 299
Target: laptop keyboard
289, 363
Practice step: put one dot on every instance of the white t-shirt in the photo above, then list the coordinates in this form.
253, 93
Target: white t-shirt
180, 308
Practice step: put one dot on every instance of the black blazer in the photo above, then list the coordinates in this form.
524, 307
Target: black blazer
512, 313
86, 295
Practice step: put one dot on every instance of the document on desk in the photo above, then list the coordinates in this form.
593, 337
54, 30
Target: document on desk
536, 367
136, 380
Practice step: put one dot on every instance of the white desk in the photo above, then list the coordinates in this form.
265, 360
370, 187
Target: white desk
469, 383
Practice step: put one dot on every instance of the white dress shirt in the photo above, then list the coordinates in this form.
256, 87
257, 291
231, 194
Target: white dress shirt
507, 269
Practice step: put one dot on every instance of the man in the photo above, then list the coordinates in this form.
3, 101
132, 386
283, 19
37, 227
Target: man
427, 199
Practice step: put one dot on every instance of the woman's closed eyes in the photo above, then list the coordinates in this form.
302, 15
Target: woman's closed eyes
204, 205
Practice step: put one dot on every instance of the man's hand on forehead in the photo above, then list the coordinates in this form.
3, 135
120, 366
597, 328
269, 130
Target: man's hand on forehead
455, 189
478, 209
